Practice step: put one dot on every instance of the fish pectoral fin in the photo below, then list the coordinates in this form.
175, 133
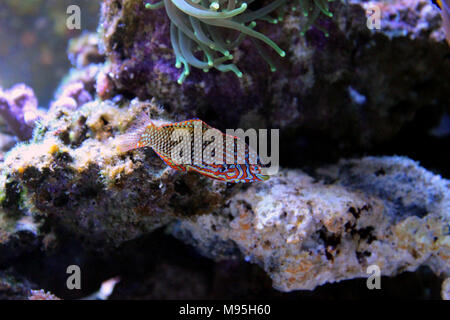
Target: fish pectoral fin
170, 163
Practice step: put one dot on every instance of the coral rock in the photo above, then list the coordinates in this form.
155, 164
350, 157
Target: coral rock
19, 109
74, 176
387, 212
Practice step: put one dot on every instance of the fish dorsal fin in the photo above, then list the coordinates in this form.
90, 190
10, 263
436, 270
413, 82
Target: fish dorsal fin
141, 121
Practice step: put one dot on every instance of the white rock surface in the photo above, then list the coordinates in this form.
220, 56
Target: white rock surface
305, 231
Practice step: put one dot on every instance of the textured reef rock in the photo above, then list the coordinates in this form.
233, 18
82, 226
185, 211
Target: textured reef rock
353, 90
12, 288
18, 288
306, 232
19, 109
445, 293
73, 167
42, 295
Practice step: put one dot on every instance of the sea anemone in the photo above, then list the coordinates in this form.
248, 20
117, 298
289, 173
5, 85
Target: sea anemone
203, 33
311, 10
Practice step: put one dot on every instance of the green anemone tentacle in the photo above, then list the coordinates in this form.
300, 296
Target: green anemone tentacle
204, 33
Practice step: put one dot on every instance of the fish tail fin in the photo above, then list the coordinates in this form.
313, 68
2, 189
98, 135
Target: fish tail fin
142, 121
129, 141
132, 138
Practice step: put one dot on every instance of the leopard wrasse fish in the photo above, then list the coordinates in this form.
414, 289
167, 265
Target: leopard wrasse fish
239, 162
444, 6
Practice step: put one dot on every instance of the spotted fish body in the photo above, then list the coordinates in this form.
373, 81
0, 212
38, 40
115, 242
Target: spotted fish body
159, 136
